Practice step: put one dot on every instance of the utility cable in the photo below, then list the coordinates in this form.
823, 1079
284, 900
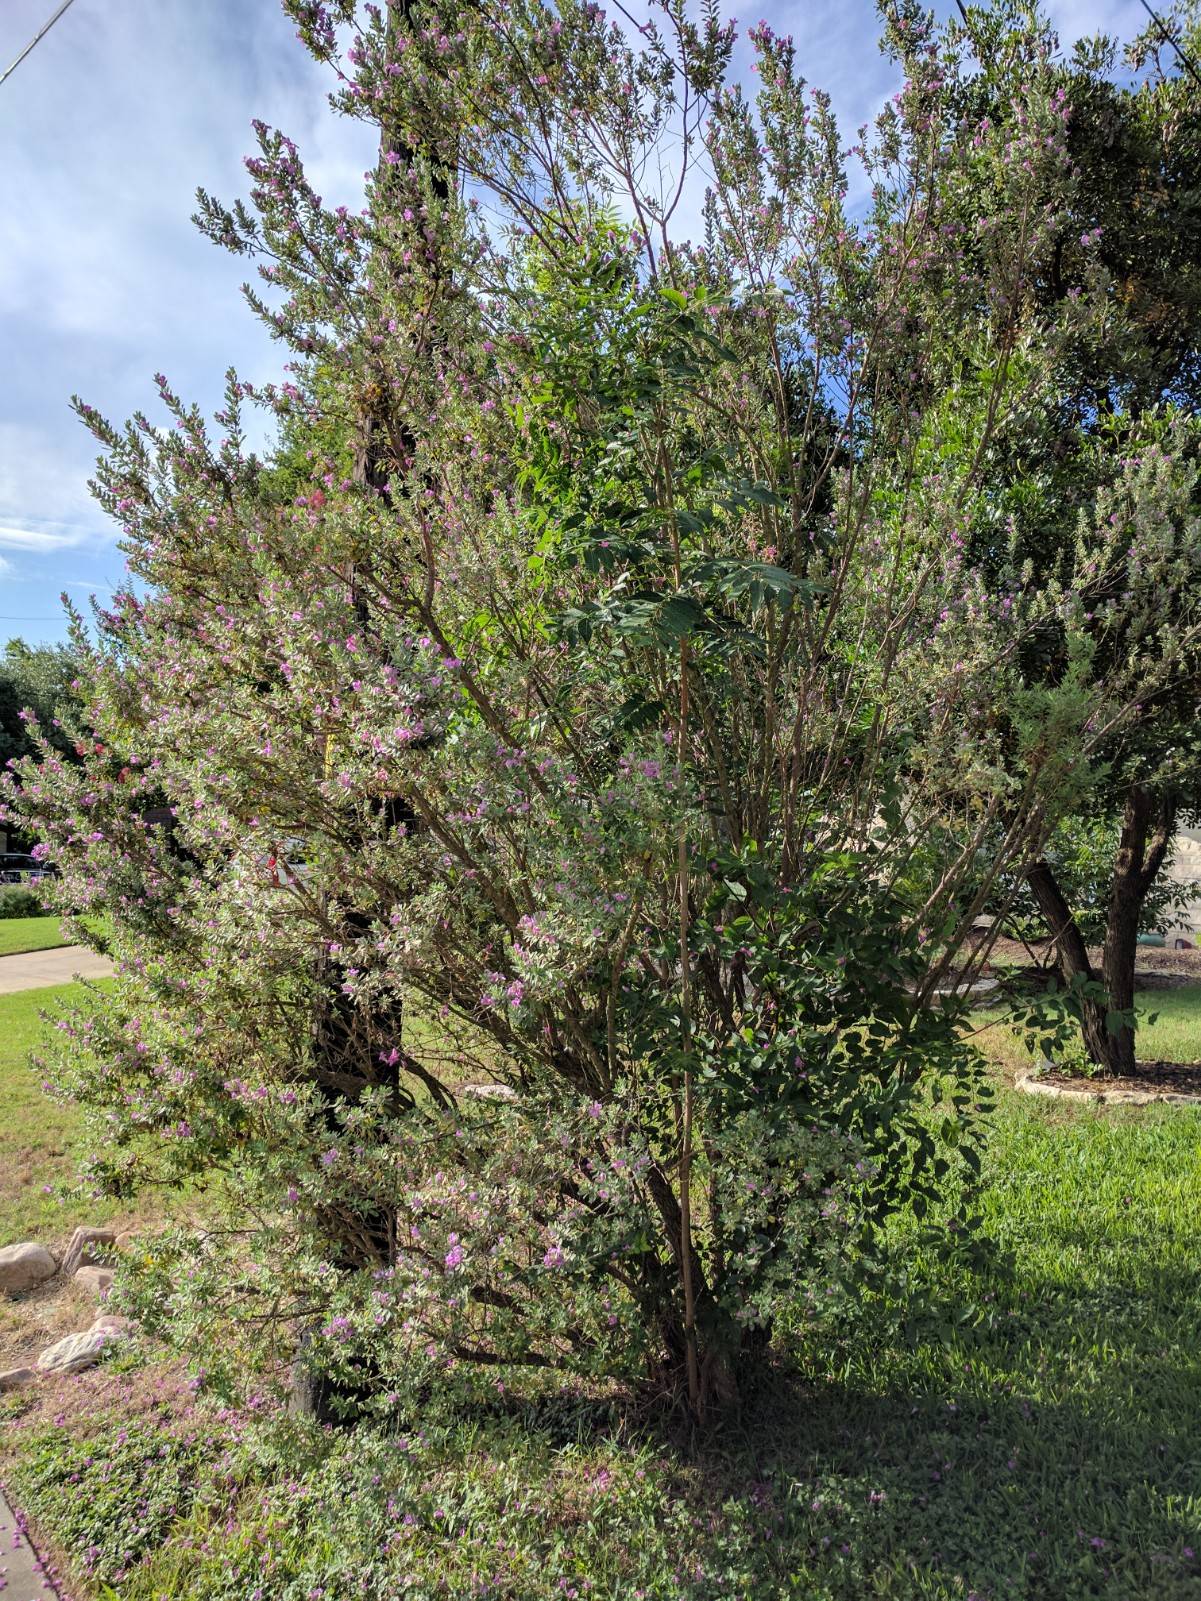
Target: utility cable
1184, 59
37, 38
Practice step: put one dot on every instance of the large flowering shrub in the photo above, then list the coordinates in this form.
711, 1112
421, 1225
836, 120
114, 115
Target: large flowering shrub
571, 705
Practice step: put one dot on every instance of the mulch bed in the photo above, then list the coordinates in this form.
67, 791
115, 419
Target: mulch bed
1153, 1078
1156, 967
1154, 980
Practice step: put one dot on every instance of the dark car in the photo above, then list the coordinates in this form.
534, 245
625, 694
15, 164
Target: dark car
16, 867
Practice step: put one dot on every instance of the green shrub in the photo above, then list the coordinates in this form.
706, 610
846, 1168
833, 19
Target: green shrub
20, 902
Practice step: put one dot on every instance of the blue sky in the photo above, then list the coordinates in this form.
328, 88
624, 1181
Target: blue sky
105, 132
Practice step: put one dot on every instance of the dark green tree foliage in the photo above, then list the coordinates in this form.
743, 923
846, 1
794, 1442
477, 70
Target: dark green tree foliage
1120, 270
42, 679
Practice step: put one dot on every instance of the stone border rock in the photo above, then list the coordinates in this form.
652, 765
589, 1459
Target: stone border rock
88, 1248
27, 1267
1031, 1081
72, 1353
24, 1266
954, 992
978, 986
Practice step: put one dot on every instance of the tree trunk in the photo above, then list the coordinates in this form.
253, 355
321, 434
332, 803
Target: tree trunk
1147, 829
694, 1349
1073, 959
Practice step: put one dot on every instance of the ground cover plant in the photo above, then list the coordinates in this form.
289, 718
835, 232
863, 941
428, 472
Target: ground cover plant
1046, 1447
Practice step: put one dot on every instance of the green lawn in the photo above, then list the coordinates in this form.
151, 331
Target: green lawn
1048, 1448
1169, 1029
38, 1137
29, 934
1175, 1036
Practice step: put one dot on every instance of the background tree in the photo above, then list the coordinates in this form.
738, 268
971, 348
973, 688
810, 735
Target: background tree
1081, 854
40, 679
1092, 502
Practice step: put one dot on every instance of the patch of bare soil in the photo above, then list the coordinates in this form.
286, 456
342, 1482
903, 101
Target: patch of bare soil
1152, 959
61, 1305
1155, 967
31, 1322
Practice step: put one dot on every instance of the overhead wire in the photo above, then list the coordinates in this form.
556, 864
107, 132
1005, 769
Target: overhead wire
37, 38
1185, 60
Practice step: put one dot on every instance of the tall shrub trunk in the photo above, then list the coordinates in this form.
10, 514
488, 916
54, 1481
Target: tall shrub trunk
370, 1049
1147, 828
354, 1054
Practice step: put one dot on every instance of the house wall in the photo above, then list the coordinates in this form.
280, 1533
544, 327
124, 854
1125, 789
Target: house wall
1185, 868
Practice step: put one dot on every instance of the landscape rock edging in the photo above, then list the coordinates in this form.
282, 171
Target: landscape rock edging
77, 1351
88, 1248
96, 1279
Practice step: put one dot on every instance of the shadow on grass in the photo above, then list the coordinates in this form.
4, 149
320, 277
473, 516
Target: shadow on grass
1049, 1452
1001, 1467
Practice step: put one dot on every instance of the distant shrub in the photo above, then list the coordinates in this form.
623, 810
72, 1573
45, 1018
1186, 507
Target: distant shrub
20, 902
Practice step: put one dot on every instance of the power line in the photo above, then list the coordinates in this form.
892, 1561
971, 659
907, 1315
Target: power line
37, 38
1184, 60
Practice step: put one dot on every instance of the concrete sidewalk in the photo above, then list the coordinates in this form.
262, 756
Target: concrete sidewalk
19, 1563
35, 970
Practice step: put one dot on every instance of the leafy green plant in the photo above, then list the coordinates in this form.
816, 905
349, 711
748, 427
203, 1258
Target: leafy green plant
15, 902
1046, 1446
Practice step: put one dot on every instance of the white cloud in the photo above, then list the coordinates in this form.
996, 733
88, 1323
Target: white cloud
40, 539
111, 125
44, 469
1080, 19
107, 130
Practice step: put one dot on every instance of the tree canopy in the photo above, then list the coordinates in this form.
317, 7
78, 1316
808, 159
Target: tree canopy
39, 679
